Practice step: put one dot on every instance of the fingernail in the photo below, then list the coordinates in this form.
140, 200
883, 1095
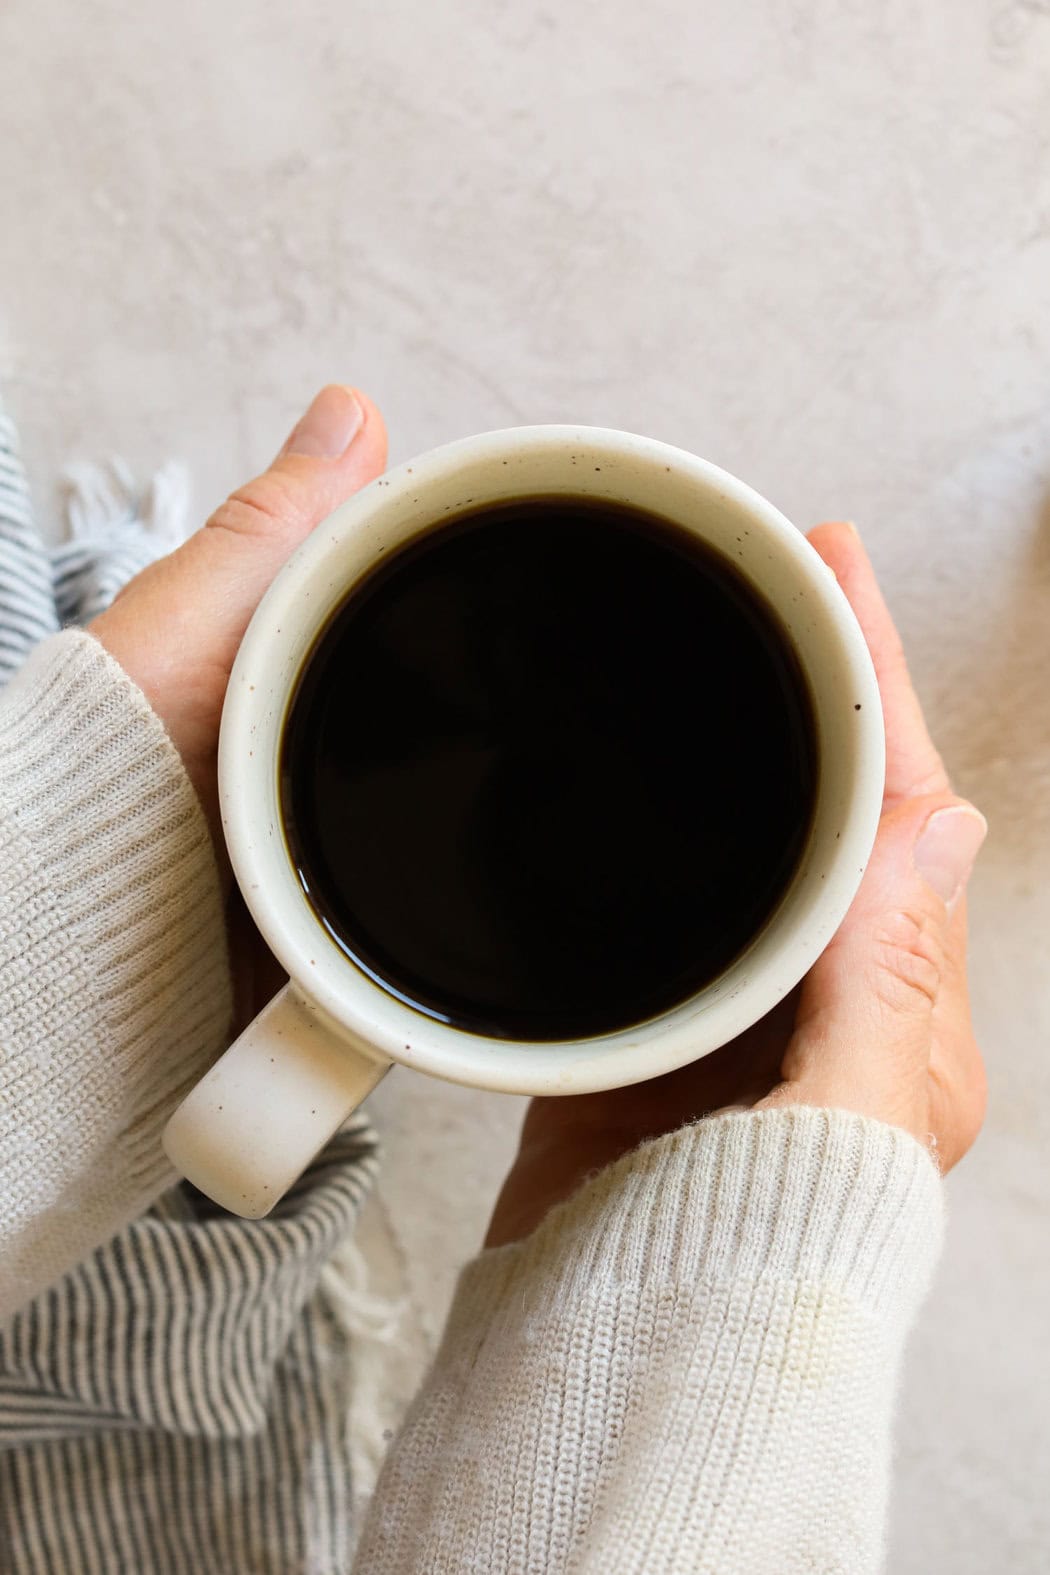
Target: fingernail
947, 846
329, 426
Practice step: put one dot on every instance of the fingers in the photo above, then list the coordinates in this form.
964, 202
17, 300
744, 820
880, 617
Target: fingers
327, 427
884, 1019
176, 627
886, 1004
958, 1083
913, 765
337, 447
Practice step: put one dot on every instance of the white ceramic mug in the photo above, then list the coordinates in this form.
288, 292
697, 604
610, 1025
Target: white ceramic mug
254, 1122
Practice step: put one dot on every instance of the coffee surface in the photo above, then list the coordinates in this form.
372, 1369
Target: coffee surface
548, 770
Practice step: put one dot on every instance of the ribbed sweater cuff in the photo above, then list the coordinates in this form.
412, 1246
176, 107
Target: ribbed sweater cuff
820, 1197
114, 980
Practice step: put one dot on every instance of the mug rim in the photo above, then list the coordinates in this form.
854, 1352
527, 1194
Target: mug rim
363, 1011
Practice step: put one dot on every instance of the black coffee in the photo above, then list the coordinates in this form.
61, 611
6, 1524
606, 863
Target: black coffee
549, 769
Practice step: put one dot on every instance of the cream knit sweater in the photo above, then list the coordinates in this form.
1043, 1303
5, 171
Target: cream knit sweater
114, 983
690, 1366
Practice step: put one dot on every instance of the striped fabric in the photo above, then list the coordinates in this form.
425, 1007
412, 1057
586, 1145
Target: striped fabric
178, 1402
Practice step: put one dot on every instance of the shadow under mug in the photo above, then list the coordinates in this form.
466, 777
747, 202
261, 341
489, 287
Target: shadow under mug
249, 1128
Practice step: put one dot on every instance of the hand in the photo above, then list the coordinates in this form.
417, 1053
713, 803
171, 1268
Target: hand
176, 627
880, 1025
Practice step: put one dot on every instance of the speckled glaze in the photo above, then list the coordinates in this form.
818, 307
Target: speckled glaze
249, 1128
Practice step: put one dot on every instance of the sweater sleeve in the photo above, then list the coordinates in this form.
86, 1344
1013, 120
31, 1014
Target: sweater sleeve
114, 981
689, 1366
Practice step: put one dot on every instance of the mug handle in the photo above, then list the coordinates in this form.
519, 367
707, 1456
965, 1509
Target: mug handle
252, 1124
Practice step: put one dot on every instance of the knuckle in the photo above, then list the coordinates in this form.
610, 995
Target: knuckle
235, 518
250, 511
910, 960
930, 782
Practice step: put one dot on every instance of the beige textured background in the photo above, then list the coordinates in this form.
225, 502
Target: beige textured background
809, 240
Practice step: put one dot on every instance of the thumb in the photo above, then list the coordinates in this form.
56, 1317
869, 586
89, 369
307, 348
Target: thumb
196, 603
175, 628
866, 1025
336, 448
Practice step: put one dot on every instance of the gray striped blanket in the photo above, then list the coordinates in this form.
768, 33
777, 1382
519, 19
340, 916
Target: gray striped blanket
179, 1401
